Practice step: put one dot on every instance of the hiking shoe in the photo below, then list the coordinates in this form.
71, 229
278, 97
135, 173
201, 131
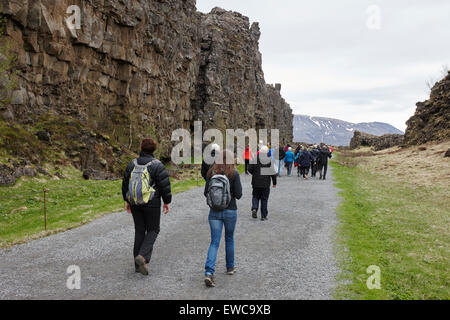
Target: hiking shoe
231, 271
262, 219
254, 216
142, 265
209, 281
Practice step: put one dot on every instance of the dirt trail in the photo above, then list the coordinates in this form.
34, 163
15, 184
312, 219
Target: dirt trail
290, 256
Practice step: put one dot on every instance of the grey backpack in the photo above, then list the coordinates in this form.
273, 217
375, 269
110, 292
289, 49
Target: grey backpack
218, 195
140, 187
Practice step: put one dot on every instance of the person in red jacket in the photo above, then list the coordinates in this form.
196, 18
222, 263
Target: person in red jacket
248, 155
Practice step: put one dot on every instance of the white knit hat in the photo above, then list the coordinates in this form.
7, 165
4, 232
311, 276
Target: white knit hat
215, 147
264, 149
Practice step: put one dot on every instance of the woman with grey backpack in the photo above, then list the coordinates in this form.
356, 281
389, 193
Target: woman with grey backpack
223, 186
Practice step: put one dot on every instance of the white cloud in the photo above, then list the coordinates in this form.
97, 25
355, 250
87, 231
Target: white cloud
330, 64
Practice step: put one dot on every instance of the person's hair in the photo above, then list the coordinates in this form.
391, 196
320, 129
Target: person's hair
223, 164
149, 145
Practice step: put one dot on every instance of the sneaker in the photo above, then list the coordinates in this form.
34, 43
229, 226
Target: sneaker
262, 219
231, 271
209, 281
142, 265
254, 216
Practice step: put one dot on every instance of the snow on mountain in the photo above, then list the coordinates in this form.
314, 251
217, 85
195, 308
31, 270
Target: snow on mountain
333, 131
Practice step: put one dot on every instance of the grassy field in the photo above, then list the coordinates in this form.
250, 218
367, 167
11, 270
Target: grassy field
396, 219
71, 202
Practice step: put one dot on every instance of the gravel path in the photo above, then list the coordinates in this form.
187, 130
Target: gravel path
290, 256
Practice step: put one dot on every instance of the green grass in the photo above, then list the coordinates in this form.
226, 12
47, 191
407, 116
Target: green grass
71, 202
403, 229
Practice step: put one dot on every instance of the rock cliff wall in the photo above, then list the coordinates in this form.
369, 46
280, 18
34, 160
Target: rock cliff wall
139, 68
363, 139
431, 121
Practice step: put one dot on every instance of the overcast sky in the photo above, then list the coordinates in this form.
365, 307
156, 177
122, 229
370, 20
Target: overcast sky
333, 61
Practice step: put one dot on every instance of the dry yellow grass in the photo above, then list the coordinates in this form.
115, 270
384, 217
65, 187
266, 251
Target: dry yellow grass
422, 165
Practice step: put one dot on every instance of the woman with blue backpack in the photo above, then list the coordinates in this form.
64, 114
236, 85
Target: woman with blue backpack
223, 186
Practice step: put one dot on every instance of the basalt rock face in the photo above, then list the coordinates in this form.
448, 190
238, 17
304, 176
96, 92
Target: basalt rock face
431, 121
362, 139
130, 71
231, 91
139, 68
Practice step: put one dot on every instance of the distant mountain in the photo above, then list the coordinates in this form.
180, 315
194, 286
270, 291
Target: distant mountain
333, 131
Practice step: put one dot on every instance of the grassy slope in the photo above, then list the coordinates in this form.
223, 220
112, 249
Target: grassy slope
401, 227
71, 202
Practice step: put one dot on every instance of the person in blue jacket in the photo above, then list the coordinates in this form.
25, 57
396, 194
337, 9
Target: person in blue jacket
289, 160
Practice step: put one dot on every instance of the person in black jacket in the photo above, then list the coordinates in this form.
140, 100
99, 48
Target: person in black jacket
261, 183
304, 162
147, 217
225, 218
315, 154
322, 161
205, 166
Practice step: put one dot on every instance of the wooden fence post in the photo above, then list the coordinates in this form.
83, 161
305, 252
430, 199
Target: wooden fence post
45, 208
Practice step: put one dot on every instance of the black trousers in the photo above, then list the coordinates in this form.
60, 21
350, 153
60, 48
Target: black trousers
304, 170
261, 194
146, 226
324, 167
247, 161
313, 169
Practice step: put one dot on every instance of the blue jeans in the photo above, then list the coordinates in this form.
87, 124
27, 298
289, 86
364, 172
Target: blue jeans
217, 219
289, 168
280, 167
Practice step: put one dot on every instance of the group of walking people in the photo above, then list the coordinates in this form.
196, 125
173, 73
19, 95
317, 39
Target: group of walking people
314, 158
146, 186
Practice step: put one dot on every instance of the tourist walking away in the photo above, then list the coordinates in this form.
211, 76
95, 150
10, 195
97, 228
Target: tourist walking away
262, 175
281, 155
144, 184
289, 160
222, 188
215, 149
322, 162
304, 162
248, 156
297, 150
315, 154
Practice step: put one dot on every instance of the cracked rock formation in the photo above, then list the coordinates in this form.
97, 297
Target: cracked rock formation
140, 68
431, 121
363, 139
